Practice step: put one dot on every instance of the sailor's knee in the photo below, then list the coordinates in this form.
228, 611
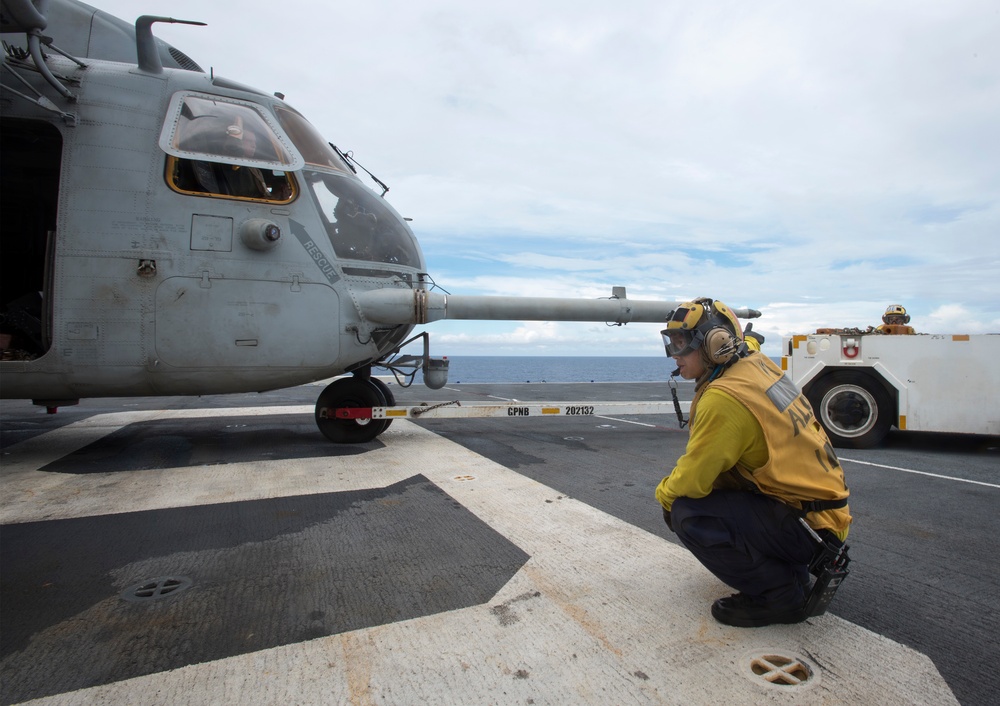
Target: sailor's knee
692, 524
681, 507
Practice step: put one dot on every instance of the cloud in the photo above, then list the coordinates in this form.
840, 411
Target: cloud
546, 338
957, 318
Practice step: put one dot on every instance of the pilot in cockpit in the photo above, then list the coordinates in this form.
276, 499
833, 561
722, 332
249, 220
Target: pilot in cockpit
233, 179
231, 133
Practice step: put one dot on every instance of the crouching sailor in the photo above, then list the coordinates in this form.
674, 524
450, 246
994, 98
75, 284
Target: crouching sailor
759, 495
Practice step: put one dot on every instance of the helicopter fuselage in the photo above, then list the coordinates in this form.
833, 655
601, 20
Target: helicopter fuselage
153, 262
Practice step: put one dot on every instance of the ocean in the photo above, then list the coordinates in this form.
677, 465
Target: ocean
535, 369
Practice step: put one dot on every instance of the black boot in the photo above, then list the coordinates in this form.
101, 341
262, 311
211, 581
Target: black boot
743, 612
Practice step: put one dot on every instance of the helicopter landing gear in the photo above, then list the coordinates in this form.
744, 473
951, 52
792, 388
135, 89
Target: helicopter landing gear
352, 392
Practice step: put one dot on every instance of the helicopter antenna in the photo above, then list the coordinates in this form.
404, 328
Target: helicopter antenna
145, 43
349, 158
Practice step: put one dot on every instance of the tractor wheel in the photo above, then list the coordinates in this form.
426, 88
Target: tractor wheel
853, 407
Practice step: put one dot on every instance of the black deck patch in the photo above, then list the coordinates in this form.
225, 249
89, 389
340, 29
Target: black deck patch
205, 441
264, 572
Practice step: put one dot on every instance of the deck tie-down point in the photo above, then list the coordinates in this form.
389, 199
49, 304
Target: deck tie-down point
155, 589
781, 671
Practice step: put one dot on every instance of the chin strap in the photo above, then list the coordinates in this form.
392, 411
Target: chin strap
677, 403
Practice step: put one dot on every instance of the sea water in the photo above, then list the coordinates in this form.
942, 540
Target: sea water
536, 369
506, 369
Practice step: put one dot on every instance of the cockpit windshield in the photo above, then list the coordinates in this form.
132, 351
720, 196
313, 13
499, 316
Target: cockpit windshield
202, 133
315, 150
360, 225
226, 130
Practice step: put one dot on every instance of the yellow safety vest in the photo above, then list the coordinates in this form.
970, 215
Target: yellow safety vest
802, 466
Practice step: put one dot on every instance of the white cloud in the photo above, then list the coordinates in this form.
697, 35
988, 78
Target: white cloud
545, 338
956, 318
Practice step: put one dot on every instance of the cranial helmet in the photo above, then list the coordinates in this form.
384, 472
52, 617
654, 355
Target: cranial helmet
895, 310
707, 325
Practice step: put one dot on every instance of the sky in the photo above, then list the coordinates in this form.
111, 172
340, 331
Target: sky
816, 161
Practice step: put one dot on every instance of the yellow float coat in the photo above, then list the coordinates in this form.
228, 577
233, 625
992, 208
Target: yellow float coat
751, 428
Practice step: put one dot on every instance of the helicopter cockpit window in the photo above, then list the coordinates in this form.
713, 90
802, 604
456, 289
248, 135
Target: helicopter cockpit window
360, 225
315, 150
224, 148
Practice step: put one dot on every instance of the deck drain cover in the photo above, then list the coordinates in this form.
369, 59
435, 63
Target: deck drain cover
155, 589
781, 671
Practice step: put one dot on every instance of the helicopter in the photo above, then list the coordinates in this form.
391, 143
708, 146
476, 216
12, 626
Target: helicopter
168, 231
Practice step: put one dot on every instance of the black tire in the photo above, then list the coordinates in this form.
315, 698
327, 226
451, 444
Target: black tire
349, 392
386, 392
853, 407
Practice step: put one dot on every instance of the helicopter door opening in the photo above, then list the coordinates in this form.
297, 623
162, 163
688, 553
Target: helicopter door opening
29, 199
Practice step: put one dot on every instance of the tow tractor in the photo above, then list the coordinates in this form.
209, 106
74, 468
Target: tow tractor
861, 383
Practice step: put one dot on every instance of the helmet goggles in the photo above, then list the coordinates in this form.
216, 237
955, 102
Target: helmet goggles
681, 342
682, 335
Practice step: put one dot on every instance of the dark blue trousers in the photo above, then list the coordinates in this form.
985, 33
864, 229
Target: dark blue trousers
751, 542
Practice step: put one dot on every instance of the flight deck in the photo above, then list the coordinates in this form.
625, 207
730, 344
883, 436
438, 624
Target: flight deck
220, 549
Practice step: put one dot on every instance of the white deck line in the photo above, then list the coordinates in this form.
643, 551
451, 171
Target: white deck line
602, 613
920, 473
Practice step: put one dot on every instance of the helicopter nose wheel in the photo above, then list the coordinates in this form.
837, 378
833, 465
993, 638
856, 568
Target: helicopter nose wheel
352, 392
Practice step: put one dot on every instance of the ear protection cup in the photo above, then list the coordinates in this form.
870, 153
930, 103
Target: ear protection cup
720, 346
